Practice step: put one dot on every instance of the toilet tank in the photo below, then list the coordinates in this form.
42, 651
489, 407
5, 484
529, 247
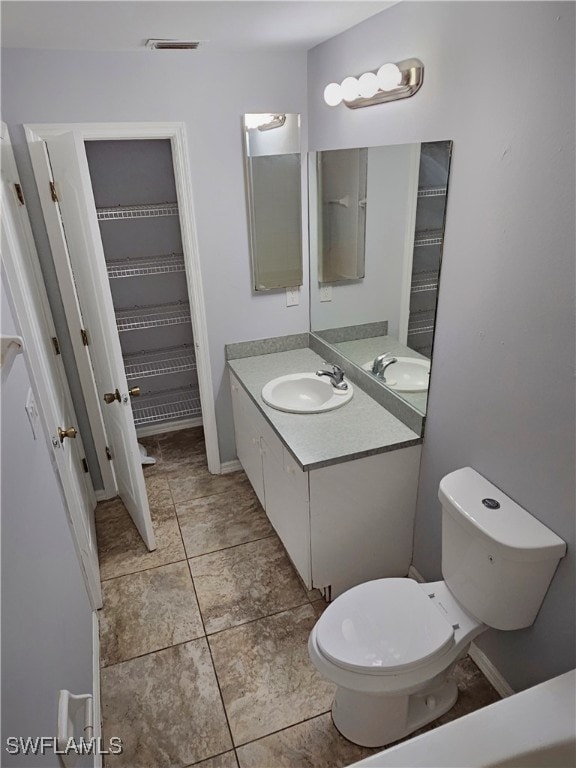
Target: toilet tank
497, 559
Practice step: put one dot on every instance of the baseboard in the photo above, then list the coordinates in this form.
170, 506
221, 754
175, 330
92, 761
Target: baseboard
415, 574
101, 495
494, 677
230, 466
97, 716
171, 426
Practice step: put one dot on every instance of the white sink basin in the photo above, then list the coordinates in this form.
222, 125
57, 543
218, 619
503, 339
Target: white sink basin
408, 374
305, 393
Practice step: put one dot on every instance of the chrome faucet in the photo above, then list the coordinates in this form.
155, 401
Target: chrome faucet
381, 363
336, 375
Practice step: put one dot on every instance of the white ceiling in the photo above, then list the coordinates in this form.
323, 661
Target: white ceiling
108, 25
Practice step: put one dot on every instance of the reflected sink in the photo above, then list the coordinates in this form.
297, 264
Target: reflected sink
304, 393
408, 374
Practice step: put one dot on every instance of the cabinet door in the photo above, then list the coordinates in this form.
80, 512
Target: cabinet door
362, 518
246, 426
287, 504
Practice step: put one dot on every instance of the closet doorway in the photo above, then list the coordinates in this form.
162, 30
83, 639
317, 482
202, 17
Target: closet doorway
118, 207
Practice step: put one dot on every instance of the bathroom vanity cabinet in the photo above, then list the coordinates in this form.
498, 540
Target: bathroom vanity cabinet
341, 524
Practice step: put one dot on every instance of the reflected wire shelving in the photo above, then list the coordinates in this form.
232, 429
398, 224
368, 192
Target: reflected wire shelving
137, 211
166, 406
139, 318
148, 265
432, 192
424, 281
428, 238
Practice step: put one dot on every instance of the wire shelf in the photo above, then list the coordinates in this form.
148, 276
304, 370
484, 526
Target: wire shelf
152, 317
421, 322
428, 238
137, 211
424, 281
166, 406
432, 192
172, 360
138, 267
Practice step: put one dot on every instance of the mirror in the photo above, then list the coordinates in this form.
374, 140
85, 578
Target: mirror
377, 220
272, 163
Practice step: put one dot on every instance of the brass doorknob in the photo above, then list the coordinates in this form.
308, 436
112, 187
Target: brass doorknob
62, 433
134, 392
109, 397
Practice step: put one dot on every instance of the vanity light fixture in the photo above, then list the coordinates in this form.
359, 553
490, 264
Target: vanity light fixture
264, 122
390, 82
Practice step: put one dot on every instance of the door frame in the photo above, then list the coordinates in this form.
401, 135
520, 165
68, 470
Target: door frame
175, 132
26, 288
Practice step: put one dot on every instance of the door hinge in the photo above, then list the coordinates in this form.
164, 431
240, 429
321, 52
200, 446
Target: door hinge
53, 192
108, 454
56, 345
84, 465
19, 194
84, 334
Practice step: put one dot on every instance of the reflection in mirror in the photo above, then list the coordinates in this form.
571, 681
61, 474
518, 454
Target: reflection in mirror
273, 184
384, 322
341, 175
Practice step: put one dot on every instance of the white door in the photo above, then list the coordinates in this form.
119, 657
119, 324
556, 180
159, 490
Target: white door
77, 208
20, 264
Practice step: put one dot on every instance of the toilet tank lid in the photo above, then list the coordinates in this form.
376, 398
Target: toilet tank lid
511, 528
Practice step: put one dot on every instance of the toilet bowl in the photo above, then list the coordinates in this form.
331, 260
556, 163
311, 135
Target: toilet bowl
390, 645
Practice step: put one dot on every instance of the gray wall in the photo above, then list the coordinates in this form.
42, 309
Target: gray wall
209, 92
46, 616
499, 81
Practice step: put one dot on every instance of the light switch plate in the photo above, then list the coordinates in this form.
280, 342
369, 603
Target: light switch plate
32, 413
292, 296
325, 292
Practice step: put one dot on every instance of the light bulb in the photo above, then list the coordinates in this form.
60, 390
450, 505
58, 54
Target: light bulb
350, 88
389, 77
368, 83
333, 94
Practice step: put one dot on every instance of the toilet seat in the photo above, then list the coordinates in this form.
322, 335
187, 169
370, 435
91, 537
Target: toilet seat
383, 627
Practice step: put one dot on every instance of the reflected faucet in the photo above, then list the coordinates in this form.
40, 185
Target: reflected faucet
336, 375
381, 363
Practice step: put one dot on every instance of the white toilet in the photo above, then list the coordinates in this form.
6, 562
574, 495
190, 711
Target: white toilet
390, 645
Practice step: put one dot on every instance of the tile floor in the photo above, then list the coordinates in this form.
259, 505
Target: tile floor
204, 641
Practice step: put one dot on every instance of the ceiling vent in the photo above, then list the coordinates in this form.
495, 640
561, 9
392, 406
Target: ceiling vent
172, 45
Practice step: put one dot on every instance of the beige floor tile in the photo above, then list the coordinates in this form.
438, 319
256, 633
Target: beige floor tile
243, 583
184, 447
120, 547
227, 760
225, 520
194, 482
265, 675
313, 744
319, 607
147, 611
165, 707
